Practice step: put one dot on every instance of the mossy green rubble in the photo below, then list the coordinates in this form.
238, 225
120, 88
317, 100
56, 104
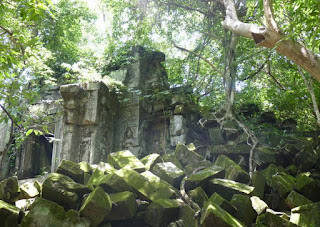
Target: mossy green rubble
96, 206
9, 214
124, 206
125, 158
169, 172
151, 160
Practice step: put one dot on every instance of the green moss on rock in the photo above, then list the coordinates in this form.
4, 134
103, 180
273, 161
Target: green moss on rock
96, 206
71, 170
125, 158
162, 211
151, 160
124, 206
216, 216
9, 214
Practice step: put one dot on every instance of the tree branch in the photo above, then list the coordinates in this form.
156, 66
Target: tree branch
255, 73
271, 37
201, 57
10, 117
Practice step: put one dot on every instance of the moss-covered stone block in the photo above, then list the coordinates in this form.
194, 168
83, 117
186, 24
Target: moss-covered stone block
125, 158
218, 200
268, 172
188, 169
169, 172
259, 183
306, 215
203, 176
44, 213
171, 157
9, 189
112, 183
72, 218
308, 186
283, 183
151, 160
9, 214
306, 159
233, 170
198, 196
148, 186
245, 213
226, 188
95, 176
186, 154
187, 215
258, 205
63, 190
124, 206
85, 167
71, 170
216, 216
96, 206
294, 199
162, 211
265, 155
270, 218
105, 168
28, 190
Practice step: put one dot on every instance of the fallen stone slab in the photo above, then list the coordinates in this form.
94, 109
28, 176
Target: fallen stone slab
306, 159
162, 211
9, 189
96, 206
271, 218
216, 216
283, 183
239, 149
112, 183
245, 213
9, 214
151, 160
169, 172
171, 157
47, 213
259, 183
147, 185
306, 215
187, 215
308, 186
218, 200
226, 188
125, 158
268, 172
72, 170
198, 196
187, 154
202, 177
188, 169
294, 199
63, 190
124, 206
232, 170
28, 190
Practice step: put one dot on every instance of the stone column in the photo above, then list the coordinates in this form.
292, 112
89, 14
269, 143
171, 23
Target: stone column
88, 123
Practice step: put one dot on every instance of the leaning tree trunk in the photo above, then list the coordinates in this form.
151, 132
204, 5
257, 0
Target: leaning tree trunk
271, 37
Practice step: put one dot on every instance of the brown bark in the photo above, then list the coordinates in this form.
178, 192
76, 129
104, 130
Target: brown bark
271, 37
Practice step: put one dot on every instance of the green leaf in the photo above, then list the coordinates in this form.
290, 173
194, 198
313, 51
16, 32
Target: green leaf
29, 132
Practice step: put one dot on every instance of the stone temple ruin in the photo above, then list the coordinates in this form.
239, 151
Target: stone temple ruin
94, 121
140, 158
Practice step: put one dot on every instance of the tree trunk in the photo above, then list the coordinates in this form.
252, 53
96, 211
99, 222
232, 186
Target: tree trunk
271, 37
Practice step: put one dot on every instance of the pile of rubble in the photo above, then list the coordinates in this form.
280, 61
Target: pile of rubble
177, 189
